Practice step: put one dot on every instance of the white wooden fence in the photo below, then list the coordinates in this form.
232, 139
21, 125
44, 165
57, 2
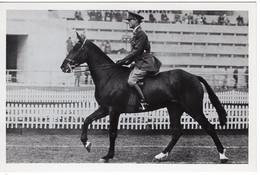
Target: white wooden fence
67, 110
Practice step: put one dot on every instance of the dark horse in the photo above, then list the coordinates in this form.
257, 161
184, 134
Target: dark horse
177, 90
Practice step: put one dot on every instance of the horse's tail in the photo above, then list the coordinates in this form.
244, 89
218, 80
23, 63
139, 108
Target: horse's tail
215, 101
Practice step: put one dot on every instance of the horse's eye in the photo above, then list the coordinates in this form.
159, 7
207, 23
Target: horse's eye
82, 49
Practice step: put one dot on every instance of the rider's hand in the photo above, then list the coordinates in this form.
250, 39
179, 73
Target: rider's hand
132, 66
120, 63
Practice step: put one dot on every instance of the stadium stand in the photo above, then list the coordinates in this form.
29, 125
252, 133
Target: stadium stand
197, 48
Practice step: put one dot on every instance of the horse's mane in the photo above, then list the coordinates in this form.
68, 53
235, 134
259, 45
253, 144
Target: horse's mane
97, 50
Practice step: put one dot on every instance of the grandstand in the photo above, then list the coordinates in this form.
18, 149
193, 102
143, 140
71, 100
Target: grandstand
211, 50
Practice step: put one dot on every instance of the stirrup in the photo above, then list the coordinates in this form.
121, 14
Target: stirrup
143, 105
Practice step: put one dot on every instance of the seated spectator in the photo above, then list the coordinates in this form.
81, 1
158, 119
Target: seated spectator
92, 15
204, 19
164, 17
118, 16
190, 19
152, 18
240, 21
225, 20
198, 19
98, 16
107, 48
221, 20
177, 19
78, 15
108, 15
185, 19
124, 15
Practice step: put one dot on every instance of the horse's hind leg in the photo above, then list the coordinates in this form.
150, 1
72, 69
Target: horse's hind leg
175, 113
209, 128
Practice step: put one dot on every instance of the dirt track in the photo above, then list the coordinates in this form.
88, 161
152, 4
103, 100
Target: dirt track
130, 148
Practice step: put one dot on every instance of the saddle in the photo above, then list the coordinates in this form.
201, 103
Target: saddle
141, 82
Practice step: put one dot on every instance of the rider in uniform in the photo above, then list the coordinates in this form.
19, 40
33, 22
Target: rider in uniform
145, 62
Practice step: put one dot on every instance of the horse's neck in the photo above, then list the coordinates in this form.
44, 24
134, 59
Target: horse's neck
100, 66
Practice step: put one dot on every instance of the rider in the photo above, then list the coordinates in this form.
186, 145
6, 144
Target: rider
145, 62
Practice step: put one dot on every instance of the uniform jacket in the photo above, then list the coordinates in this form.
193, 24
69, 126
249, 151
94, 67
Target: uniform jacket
140, 53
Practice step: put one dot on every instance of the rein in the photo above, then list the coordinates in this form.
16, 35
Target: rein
104, 66
100, 67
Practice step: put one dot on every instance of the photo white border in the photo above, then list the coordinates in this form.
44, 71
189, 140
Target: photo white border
173, 168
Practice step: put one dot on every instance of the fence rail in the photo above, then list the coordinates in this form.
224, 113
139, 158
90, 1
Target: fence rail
67, 110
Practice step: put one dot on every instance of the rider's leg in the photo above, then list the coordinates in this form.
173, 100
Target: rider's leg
136, 75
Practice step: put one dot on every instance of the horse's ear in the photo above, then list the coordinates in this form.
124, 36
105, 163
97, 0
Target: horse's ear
79, 37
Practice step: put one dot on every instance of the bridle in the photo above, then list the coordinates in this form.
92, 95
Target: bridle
71, 66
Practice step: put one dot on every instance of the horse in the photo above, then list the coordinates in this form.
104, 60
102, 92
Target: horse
177, 90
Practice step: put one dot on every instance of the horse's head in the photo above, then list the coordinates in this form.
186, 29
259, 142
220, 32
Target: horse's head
75, 56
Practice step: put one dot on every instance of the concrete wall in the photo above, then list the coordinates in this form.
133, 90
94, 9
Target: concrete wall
44, 48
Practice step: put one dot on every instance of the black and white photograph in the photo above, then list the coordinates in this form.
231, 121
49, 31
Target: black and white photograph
94, 86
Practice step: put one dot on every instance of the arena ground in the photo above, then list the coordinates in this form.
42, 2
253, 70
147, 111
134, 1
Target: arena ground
64, 146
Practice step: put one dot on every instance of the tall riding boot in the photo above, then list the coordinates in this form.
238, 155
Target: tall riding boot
143, 104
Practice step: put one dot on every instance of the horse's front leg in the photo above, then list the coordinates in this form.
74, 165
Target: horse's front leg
99, 113
114, 117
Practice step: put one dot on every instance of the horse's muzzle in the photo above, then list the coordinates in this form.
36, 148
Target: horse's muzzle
68, 69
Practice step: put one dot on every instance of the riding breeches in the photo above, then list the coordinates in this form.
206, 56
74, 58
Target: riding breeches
136, 75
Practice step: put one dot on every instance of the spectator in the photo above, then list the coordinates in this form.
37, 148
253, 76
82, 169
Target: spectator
246, 77
107, 48
185, 19
102, 46
98, 16
69, 45
240, 21
152, 18
221, 20
235, 76
177, 19
204, 19
198, 19
108, 15
226, 20
164, 17
86, 76
77, 73
225, 79
78, 15
92, 15
118, 16
83, 35
124, 15
190, 19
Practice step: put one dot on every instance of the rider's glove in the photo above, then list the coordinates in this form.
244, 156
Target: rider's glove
120, 63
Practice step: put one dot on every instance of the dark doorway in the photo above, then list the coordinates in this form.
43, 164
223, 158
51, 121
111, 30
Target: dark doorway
15, 50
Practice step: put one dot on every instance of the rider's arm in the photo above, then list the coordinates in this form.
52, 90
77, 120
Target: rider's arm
137, 48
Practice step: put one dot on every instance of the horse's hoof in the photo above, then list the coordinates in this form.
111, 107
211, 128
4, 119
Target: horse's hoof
156, 160
88, 146
161, 157
222, 157
223, 160
103, 161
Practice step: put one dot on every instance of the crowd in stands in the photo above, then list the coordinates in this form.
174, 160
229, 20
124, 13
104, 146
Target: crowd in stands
194, 19
120, 15
107, 15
